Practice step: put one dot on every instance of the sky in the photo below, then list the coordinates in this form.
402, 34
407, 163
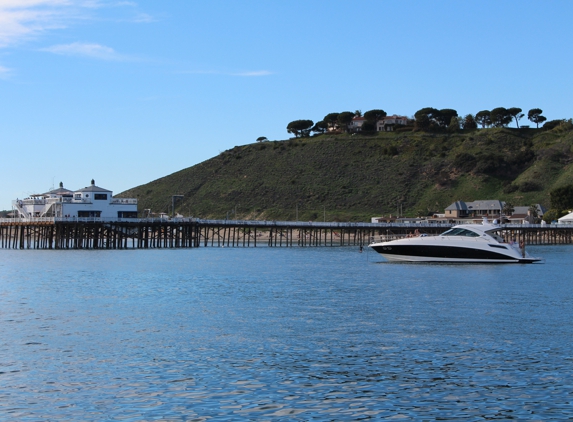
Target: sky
126, 92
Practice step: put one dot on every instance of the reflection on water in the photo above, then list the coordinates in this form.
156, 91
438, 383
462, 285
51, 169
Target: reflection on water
282, 334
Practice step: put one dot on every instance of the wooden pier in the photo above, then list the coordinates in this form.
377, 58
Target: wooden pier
60, 233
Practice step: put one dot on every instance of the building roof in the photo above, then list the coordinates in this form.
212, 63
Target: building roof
59, 191
93, 188
524, 210
458, 205
485, 205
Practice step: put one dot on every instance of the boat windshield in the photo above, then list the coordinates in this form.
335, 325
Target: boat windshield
456, 231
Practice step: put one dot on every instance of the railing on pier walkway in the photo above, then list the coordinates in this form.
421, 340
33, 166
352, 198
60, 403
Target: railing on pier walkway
143, 233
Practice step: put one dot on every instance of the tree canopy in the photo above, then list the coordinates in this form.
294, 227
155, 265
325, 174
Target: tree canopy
429, 118
331, 120
500, 117
516, 113
508, 208
469, 122
344, 119
320, 127
483, 118
444, 116
425, 118
374, 115
535, 116
300, 128
454, 125
562, 198
368, 127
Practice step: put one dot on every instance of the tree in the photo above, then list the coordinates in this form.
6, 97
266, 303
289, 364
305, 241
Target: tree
516, 113
532, 211
374, 115
508, 209
469, 122
500, 117
425, 118
320, 127
535, 116
553, 215
484, 118
300, 128
444, 116
368, 127
331, 120
344, 119
454, 125
262, 139
358, 113
562, 198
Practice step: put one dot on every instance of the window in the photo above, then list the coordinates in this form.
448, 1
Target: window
86, 214
100, 196
127, 214
460, 232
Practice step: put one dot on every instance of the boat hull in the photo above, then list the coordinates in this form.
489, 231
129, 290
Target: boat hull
437, 253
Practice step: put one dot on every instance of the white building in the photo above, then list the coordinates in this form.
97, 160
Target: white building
89, 202
566, 219
387, 123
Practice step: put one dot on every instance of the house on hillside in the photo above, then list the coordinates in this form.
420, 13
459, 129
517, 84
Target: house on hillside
522, 215
356, 124
476, 209
388, 123
491, 209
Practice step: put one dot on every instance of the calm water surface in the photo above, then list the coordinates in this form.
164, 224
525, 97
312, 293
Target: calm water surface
282, 334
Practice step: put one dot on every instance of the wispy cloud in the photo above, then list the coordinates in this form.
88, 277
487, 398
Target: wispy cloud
94, 51
253, 73
4, 72
21, 20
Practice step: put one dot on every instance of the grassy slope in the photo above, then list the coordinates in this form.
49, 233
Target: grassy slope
355, 177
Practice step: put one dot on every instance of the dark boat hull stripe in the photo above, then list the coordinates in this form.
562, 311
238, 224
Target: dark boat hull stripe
434, 251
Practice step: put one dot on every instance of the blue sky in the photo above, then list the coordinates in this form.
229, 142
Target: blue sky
125, 92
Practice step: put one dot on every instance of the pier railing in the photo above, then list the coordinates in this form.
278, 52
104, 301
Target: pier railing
264, 223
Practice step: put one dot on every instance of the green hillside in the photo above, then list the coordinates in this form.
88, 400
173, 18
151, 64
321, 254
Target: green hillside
353, 177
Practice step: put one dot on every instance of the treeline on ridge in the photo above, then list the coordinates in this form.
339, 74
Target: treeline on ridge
427, 119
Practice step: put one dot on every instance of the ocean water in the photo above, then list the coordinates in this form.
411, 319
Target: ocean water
282, 334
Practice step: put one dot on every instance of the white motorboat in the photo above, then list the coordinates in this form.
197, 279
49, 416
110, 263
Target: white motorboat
462, 243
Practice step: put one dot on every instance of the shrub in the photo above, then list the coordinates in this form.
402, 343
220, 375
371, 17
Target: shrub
491, 165
529, 186
403, 129
551, 124
510, 188
465, 162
